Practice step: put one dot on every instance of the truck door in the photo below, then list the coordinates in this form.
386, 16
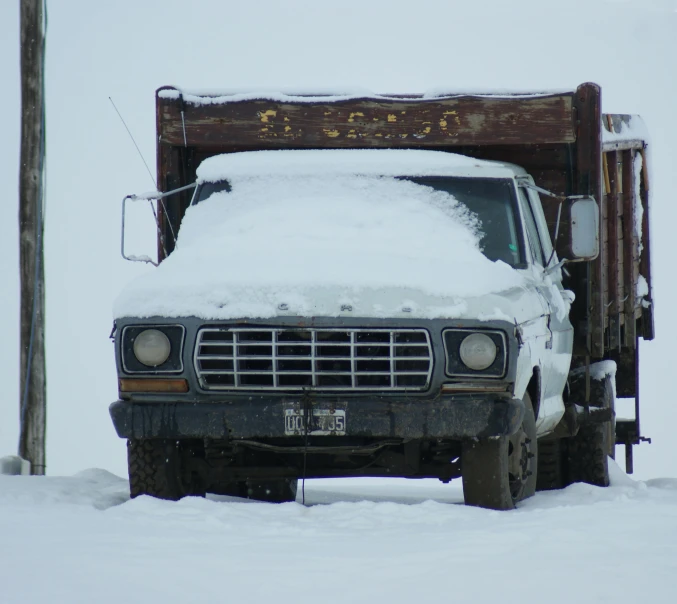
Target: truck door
556, 360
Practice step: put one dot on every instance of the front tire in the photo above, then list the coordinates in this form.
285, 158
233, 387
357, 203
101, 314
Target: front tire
590, 449
500, 472
154, 467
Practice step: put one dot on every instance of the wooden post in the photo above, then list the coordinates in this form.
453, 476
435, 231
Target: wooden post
32, 394
613, 221
589, 178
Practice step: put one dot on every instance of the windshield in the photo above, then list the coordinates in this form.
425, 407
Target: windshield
491, 200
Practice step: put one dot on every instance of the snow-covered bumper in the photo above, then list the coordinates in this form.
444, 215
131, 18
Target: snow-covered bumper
458, 416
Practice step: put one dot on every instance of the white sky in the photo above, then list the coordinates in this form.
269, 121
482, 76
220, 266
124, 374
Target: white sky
127, 49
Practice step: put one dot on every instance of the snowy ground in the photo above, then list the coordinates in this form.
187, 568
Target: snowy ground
80, 539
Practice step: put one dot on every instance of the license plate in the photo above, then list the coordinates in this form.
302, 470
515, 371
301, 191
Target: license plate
323, 422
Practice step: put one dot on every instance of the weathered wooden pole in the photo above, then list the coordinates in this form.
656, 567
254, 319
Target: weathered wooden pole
31, 227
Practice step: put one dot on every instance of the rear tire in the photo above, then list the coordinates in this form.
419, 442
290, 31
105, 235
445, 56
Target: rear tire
590, 449
584, 457
500, 472
552, 465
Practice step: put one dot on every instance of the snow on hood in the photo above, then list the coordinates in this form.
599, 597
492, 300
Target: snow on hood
308, 246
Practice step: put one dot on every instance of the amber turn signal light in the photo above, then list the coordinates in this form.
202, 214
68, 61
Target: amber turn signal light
152, 385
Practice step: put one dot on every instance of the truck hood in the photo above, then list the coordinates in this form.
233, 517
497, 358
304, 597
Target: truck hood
514, 304
329, 246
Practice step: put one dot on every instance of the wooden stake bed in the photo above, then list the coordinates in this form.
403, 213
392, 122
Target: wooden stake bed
365, 122
558, 138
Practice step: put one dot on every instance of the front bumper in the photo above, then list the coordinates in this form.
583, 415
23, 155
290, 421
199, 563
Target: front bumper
445, 417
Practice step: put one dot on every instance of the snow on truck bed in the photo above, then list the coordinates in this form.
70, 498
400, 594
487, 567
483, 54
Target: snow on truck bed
313, 230
219, 97
80, 539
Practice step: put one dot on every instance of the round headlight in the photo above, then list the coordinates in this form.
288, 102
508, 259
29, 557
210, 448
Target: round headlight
478, 351
152, 347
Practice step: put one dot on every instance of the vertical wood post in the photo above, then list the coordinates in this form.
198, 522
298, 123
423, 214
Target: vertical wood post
631, 247
32, 406
588, 103
612, 224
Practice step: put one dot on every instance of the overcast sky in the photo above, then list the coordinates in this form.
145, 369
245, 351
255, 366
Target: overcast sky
128, 49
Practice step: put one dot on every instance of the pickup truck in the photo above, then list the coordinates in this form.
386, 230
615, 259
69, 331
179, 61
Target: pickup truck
448, 286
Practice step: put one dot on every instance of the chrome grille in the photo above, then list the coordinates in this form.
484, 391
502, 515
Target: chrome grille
228, 358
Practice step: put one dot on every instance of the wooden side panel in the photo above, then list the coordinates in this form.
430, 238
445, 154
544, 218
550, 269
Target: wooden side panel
532, 157
365, 123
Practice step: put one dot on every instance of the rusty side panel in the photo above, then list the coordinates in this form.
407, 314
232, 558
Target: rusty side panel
364, 123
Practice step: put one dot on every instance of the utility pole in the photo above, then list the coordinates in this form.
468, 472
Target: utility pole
32, 393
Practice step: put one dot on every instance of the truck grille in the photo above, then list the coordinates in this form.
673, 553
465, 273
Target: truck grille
229, 358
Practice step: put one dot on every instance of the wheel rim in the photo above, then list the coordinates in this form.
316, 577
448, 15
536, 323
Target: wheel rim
520, 456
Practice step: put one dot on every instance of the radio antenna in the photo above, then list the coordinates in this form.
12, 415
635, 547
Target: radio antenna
132, 137
160, 201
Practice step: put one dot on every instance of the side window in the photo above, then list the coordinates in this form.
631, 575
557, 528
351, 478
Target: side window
542, 225
532, 230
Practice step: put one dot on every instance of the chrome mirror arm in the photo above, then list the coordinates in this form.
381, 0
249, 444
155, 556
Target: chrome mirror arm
150, 197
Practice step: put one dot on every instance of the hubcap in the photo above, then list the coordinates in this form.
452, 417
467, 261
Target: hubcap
520, 463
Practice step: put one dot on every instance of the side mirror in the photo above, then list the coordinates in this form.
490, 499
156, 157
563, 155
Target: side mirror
149, 197
583, 229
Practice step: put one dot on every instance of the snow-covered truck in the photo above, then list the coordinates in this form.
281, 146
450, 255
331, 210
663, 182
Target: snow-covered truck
445, 285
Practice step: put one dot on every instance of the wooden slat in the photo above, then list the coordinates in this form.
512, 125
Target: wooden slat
612, 227
645, 257
622, 145
365, 123
534, 158
630, 249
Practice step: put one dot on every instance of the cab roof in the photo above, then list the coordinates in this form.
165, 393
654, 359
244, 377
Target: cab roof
351, 162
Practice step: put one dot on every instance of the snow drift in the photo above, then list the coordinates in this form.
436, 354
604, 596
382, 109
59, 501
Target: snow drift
359, 541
